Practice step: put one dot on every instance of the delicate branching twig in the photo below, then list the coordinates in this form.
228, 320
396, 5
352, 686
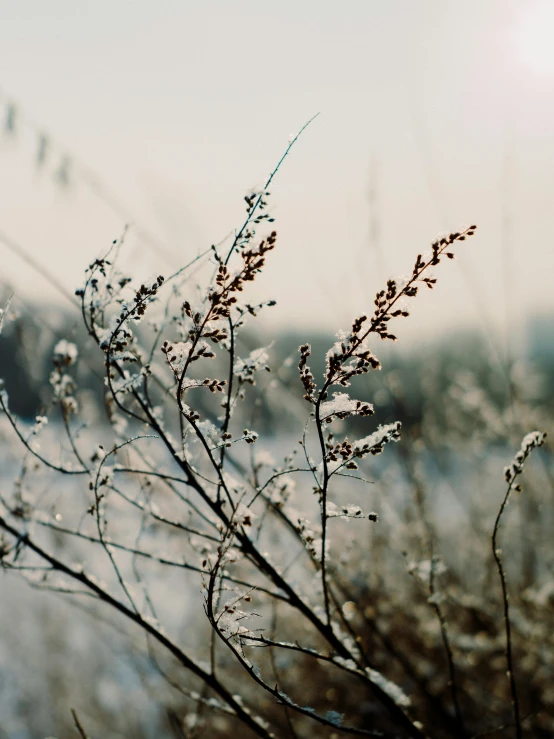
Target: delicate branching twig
178, 485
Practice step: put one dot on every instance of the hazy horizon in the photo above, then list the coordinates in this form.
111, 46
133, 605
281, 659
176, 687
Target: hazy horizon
433, 116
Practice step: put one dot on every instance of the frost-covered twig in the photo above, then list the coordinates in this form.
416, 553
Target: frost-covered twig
103, 595
511, 473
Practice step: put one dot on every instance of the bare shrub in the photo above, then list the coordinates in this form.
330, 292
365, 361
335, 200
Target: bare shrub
173, 513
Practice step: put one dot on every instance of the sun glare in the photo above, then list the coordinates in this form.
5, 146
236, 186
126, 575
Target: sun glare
535, 37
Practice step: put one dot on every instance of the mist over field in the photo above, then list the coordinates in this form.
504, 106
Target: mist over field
276, 369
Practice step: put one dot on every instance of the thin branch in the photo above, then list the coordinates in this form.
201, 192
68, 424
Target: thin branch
147, 626
511, 473
78, 725
497, 553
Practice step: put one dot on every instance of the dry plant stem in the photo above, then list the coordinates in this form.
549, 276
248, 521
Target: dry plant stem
505, 602
230, 379
378, 325
102, 524
325, 630
38, 456
261, 562
309, 653
402, 659
104, 596
78, 725
511, 473
160, 560
288, 719
281, 697
250, 551
203, 468
448, 650
324, 489
455, 724
420, 502
257, 202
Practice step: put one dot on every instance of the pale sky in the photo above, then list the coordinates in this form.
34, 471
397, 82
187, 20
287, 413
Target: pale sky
444, 110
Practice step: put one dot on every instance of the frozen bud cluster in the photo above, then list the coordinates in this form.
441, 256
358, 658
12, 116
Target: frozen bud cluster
530, 442
343, 406
65, 353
